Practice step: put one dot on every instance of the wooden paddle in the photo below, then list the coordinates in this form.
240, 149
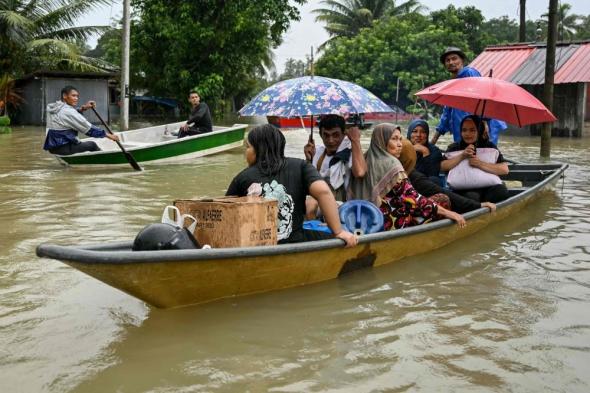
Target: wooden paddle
127, 155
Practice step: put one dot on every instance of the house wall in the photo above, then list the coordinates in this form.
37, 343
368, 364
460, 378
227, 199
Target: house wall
30, 111
90, 90
569, 106
587, 117
40, 91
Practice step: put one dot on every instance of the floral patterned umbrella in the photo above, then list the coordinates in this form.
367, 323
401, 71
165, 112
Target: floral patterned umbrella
313, 95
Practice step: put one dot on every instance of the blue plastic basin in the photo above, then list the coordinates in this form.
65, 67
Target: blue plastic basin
361, 217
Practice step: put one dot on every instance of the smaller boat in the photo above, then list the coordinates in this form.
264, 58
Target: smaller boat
158, 145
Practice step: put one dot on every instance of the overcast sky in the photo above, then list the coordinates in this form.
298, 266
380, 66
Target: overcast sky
307, 33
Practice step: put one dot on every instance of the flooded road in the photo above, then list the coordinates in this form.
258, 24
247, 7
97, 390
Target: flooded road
504, 310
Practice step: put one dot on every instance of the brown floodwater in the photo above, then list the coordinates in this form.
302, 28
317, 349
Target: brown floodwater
507, 309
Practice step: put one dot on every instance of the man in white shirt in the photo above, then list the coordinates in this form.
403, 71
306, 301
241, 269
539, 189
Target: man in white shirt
338, 158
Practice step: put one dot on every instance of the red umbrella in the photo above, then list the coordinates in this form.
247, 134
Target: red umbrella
489, 97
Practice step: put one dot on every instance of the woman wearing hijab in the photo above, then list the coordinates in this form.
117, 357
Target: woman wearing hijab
425, 186
288, 180
386, 184
429, 156
482, 182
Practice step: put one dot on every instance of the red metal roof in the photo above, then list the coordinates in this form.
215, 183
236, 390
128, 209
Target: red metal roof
503, 61
577, 68
532, 71
525, 63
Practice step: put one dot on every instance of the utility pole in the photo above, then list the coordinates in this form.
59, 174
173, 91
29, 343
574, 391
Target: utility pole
124, 119
311, 62
549, 77
522, 27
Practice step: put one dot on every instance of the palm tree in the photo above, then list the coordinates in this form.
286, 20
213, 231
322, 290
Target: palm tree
566, 22
345, 18
41, 34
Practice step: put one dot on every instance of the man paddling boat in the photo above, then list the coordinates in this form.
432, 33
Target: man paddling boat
64, 122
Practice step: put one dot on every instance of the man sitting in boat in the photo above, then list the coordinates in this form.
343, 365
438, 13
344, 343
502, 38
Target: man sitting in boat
199, 121
288, 180
64, 122
340, 155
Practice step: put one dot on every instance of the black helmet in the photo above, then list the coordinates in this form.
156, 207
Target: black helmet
164, 237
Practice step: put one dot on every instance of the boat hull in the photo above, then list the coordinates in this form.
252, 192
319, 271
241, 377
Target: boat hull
177, 278
154, 147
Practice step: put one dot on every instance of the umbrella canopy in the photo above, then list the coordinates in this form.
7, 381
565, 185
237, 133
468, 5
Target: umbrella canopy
313, 95
491, 98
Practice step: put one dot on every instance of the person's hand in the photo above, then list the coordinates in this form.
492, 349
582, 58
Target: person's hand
422, 150
459, 219
184, 127
113, 137
88, 105
475, 162
354, 134
469, 152
309, 150
350, 238
489, 205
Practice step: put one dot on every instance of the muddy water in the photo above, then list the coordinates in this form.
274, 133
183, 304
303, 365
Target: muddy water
505, 310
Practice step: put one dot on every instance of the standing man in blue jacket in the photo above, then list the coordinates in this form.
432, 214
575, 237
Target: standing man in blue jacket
64, 122
454, 60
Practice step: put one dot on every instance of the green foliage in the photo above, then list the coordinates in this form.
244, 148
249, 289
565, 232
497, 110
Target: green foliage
467, 20
407, 48
294, 69
583, 28
218, 47
502, 30
566, 22
346, 18
108, 46
42, 35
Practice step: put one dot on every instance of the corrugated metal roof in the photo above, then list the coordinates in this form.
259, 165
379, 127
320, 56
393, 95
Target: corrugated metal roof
577, 68
532, 71
502, 61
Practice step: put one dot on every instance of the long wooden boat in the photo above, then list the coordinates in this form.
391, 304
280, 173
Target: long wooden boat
183, 277
158, 145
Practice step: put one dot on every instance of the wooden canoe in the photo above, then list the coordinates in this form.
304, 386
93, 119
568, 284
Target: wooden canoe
183, 277
157, 145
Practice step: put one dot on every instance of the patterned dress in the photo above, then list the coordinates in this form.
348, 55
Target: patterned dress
404, 207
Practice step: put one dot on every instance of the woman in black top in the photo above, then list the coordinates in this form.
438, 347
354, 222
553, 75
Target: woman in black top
288, 180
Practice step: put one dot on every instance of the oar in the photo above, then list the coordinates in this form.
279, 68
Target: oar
127, 155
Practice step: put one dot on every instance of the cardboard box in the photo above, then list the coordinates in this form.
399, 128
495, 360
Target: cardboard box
233, 221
